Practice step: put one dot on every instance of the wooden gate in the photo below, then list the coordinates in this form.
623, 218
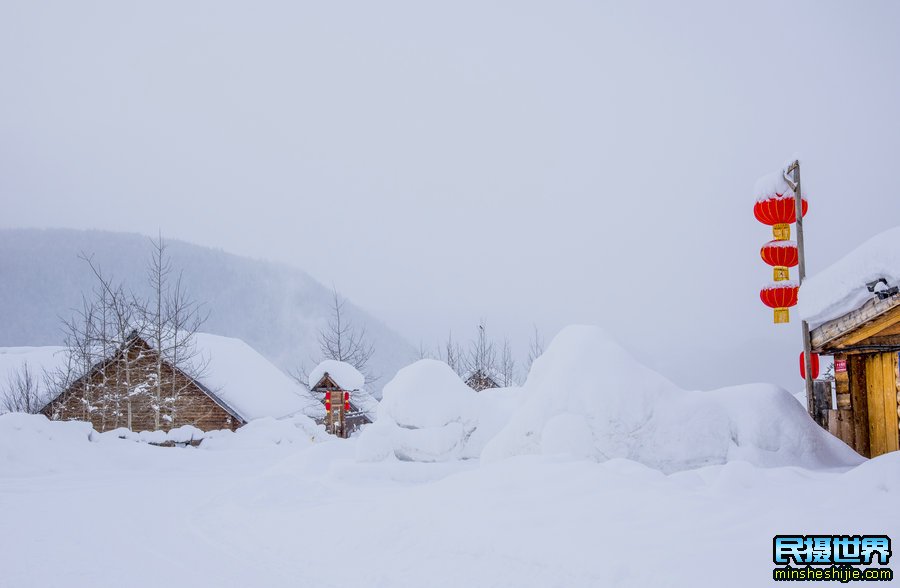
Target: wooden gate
882, 402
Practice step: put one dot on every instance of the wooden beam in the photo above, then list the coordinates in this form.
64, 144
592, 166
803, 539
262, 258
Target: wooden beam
889, 397
875, 397
868, 320
856, 368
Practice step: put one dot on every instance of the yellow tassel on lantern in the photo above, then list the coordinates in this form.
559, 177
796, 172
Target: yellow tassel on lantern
781, 231
781, 273
782, 315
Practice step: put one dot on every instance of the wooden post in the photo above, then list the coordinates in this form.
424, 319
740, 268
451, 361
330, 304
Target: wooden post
801, 269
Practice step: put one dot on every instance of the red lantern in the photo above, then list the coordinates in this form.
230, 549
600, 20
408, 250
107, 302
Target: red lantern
781, 255
813, 364
780, 296
346, 402
328, 401
779, 212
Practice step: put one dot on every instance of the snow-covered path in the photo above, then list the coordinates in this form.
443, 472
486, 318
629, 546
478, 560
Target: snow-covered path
118, 513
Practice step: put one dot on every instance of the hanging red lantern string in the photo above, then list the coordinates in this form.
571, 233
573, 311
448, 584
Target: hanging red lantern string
780, 296
778, 212
781, 255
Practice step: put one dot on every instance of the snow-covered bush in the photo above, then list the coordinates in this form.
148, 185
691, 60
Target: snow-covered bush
587, 397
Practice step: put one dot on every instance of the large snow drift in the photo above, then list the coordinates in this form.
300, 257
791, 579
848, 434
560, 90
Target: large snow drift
841, 287
33, 444
428, 414
588, 397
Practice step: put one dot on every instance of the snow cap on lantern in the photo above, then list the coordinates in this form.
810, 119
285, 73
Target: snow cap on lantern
781, 255
775, 205
780, 296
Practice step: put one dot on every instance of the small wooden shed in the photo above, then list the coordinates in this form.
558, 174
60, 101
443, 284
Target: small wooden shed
335, 379
480, 380
865, 343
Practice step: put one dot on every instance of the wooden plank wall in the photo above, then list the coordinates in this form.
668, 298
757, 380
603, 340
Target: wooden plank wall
881, 390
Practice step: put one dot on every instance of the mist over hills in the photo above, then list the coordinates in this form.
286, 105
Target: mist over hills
275, 308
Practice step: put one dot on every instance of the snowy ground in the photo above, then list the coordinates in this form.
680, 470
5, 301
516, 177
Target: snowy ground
80, 513
597, 472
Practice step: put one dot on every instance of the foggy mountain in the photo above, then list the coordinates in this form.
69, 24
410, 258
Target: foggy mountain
275, 308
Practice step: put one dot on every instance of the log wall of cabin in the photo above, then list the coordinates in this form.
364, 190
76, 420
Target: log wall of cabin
102, 399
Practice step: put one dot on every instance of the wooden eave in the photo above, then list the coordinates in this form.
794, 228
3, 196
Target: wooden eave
875, 326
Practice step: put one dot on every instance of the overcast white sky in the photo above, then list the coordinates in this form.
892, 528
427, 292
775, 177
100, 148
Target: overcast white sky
543, 163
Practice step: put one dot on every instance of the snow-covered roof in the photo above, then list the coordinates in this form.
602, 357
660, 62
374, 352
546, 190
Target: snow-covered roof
841, 287
246, 381
38, 359
342, 373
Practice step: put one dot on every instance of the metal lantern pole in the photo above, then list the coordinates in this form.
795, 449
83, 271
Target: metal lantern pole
804, 326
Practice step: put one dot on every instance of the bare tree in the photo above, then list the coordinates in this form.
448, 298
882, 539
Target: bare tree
481, 361
122, 322
536, 347
423, 352
343, 341
452, 355
106, 331
171, 320
23, 391
507, 366
185, 317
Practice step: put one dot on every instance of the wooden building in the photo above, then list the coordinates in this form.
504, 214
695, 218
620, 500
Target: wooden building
235, 385
865, 343
331, 382
117, 392
481, 380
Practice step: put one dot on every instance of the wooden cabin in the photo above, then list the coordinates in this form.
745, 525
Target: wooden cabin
234, 386
481, 380
865, 343
334, 379
115, 393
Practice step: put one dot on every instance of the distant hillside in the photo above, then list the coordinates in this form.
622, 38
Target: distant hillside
275, 308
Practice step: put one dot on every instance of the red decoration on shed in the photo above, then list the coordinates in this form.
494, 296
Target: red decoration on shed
781, 255
813, 364
779, 212
328, 401
780, 296
346, 402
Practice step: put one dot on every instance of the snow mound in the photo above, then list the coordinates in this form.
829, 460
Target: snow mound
31, 443
297, 430
587, 397
183, 434
429, 414
841, 287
